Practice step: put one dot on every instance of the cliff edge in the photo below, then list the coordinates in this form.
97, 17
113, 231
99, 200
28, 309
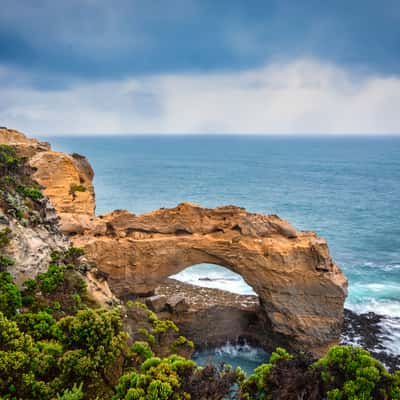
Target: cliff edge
301, 290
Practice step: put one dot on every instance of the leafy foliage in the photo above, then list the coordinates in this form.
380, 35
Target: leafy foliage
77, 188
20, 196
5, 237
351, 373
60, 290
49, 281
9, 161
10, 296
345, 373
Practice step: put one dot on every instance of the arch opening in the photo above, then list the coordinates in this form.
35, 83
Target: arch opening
214, 276
219, 308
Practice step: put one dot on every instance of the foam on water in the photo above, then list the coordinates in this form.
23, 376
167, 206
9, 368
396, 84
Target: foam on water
345, 189
243, 355
390, 324
214, 276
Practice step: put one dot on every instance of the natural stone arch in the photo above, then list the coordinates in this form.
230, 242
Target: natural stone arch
301, 290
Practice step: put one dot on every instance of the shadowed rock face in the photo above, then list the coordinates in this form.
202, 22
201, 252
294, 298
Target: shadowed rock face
301, 290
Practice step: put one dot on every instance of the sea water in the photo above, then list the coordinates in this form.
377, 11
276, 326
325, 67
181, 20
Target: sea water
347, 189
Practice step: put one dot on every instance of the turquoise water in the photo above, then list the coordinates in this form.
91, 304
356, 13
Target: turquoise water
345, 189
243, 356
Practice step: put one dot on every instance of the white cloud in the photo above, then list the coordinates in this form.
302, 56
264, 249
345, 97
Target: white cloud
303, 96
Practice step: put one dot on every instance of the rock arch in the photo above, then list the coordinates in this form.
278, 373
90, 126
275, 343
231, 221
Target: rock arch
300, 288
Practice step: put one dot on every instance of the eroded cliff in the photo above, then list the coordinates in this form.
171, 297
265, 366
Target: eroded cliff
301, 290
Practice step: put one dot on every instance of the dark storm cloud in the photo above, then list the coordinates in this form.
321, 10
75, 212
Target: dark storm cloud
60, 41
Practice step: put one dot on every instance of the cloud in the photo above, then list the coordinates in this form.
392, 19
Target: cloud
303, 96
61, 41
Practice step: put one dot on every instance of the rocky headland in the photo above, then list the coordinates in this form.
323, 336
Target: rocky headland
300, 290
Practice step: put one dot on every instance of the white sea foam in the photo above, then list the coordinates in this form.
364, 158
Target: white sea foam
238, 350
214, 276
390, 324
382, 298
243, 355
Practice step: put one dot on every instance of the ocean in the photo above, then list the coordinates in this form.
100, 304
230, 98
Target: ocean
347, 189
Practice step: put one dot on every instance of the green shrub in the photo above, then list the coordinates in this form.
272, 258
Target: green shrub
50, 280
9, 161
75, 393
5, 237
31, 192
77, 188
351, 373
142, 350
180, 342
345, 373
16, 354
94, 331
159, 379
72, 255
40, 326
10, 296
5, 262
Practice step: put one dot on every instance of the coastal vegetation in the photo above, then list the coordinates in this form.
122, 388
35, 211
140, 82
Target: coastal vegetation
20, 196
56, 342
55, 347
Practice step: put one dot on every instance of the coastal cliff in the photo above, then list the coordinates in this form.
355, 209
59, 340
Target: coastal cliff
301, 291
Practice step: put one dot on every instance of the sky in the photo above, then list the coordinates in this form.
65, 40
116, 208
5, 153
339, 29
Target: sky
72, 67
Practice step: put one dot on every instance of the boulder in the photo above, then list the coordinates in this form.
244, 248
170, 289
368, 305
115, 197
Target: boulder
177, 304
156, 303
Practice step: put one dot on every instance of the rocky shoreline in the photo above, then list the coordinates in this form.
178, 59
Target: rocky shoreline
366, 330
214, 317
300, 289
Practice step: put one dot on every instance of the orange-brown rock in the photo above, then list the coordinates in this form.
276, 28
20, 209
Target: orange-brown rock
66, 179
26, 146
300, 288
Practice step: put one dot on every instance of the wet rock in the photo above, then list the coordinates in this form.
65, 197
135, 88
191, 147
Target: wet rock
366, 330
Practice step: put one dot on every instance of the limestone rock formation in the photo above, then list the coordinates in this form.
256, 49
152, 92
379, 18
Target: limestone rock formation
301, 291
27, 147
215, 317
66, 179
300, 288
31, 245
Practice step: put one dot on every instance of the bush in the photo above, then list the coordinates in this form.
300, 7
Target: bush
41, 325
50, 280
345, 373
5, 262
351, 373
77, 188
16, 353
75, 393
5, 237
159, 379
10, 296
31, 192
9, 161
